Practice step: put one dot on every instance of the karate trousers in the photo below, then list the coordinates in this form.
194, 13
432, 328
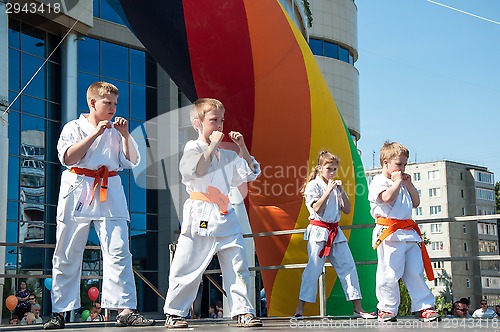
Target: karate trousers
192, 257
118, 286
401, 260
341, 259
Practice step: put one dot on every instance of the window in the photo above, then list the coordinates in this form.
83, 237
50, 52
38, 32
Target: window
433, 175
418, 211
484, 177
416, 176
461, 176
331, 50
467, 265
437, 245
465, 246
465, 229
438, 265
440, 282
488, 246
462, 193
486, 194
467, 283
434, 192
436, 228
435, 209
463, 212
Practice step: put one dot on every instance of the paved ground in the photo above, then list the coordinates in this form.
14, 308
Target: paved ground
282, 324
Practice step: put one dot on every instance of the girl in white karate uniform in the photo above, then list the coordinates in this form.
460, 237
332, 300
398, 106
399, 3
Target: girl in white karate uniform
325, 198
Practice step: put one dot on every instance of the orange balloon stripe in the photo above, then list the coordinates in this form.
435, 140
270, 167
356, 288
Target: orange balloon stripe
280, 107
329, 133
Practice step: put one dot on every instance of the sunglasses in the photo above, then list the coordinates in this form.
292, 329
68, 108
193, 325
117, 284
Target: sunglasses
462, 309
484, 303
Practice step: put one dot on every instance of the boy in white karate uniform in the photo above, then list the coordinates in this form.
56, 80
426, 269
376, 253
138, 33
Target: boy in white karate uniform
210, 225
93, 149
400, 248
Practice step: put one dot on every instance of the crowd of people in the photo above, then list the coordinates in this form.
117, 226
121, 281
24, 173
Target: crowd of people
27, 310
461, 309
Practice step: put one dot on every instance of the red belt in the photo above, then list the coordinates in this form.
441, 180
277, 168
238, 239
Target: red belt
100, 175
333, 228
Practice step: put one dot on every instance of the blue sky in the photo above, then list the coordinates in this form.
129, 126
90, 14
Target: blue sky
429, 77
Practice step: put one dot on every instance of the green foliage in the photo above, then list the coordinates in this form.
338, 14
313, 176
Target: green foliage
441, 303
307, 9
445, 298
427, 241
405, 304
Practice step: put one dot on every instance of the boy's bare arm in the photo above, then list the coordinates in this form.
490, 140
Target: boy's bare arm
238, 140
78, 150
390, 194
415, 198
206, 158
129, 150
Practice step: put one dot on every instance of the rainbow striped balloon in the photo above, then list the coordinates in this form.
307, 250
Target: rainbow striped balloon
250, 55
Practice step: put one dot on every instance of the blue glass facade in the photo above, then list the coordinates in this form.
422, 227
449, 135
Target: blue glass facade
34, 169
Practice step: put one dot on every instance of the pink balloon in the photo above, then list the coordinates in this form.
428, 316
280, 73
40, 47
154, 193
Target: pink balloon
93, 293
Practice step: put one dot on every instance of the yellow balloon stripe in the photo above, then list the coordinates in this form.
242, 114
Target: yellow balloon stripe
328, 132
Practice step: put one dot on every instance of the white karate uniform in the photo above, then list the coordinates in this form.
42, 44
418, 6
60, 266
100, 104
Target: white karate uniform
399, 255
222, 235
74, 215
340, 255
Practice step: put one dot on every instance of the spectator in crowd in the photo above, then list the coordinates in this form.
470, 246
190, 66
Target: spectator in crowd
28, 319
484, 311
460, 310
14, 320
35, 309
211, 312
23, 304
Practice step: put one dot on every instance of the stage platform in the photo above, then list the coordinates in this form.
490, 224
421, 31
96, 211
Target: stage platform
291, 324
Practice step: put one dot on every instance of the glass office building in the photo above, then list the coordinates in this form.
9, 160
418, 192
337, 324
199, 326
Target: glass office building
34, 123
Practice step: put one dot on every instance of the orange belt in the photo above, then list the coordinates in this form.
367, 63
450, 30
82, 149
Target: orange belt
213, 196
101, 173
395, 224
333, 228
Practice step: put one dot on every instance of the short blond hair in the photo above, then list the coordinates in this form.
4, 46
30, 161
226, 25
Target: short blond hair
391, 150
98, 90
202, 106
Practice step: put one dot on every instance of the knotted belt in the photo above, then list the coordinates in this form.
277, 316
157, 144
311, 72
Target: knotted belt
395, 224
213, 195
333, 229
100, 176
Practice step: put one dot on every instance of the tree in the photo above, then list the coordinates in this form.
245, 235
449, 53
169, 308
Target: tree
405, 304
